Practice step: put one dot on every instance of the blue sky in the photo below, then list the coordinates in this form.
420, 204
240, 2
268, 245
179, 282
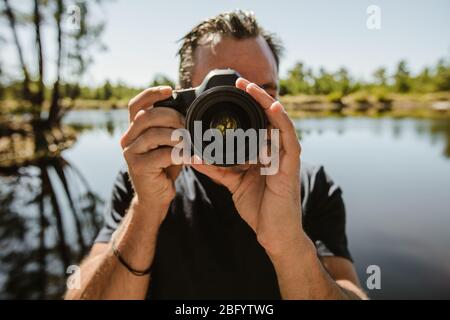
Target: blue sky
141, 35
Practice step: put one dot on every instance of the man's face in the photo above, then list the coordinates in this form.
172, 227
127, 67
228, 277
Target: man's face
252, 58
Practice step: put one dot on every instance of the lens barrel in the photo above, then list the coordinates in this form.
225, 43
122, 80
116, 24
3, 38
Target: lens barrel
226, 107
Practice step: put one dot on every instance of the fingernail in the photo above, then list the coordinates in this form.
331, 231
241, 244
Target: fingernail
140, 112
243, 80
252, 85
165, 90
276, 106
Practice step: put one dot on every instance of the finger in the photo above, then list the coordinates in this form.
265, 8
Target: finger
173, 172
275, 112
147, 98
227, 177
160, 158
242, 83
278, 117
151, 139
260, 95
154, 117
280, 120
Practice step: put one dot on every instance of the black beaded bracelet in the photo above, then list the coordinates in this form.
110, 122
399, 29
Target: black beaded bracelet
126, 265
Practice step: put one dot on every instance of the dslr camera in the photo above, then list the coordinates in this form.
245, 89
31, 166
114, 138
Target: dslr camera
217, 104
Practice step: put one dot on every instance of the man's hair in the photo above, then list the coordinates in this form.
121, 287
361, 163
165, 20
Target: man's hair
236, 24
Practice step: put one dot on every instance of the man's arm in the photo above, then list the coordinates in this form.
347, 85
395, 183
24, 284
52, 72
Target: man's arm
271, 206
344, 273
147, 148
301, 275
103, 276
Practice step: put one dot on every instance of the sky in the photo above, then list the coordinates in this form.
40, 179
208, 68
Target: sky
141, 36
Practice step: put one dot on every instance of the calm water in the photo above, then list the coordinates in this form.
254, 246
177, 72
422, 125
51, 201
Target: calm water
395, 175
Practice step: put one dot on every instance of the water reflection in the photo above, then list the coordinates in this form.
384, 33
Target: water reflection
111, 122
49, 216
436, 130
392, 172
442, 128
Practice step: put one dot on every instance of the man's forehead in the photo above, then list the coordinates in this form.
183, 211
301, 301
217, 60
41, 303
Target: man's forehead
251, 57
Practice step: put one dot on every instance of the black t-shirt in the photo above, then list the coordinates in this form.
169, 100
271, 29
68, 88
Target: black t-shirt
205, 250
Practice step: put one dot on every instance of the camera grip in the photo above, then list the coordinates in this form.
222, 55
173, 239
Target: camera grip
170, 103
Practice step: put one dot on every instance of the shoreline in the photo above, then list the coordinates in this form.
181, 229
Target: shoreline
413, 106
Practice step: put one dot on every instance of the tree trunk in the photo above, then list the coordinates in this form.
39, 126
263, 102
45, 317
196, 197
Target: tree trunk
55, 107
37, 27
12, 24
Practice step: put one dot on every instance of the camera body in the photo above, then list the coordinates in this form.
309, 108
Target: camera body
218, 104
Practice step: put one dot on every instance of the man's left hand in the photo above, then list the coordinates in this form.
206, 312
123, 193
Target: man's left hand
270, 204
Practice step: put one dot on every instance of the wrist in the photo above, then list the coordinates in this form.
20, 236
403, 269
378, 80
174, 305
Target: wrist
284, 235
153, 212
299, 246
134, 242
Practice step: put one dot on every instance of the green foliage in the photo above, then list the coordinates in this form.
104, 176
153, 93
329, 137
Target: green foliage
299, 80
380, 76
442, 78
382, 95
302, 80
402, 77
72, 91
335, 97
162, 80
2, 88
361, 97
44, 21
107, 91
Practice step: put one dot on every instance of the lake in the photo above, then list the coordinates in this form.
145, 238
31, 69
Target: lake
395, 175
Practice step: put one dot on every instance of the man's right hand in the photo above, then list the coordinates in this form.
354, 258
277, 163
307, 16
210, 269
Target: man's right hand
147, 148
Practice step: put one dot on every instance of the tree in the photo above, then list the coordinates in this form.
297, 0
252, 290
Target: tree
298, 80
380, 76
37, 20
2, 89
402, 77
72, 50
107, 91
162, 80
442, 78
344, 85
8, 11
423, 82
324, 82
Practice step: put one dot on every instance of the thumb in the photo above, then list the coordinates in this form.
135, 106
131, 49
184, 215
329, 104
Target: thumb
220, 175
173, 172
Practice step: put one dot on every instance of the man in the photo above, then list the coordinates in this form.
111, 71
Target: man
207, 232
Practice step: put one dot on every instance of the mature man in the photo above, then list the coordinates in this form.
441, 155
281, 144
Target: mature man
207, 232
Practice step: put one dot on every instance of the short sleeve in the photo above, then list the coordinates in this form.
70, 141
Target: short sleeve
116, 207
324, 216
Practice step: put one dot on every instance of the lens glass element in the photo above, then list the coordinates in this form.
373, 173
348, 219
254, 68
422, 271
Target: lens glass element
224, 121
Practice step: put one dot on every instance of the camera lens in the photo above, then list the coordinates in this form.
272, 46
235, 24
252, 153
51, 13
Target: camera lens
226, 109
224, 121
